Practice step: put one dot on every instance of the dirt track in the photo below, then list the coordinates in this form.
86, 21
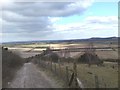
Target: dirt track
29, 76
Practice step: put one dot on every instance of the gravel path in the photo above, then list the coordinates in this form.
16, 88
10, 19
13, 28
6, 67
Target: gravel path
30, 77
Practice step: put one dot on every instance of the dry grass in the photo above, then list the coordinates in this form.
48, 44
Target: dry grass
107, 75
10, 63
107, 54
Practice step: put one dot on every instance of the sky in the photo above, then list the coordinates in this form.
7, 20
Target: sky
57, 20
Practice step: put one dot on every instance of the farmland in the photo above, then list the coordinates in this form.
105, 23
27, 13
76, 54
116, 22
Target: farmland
107, 74
37, 48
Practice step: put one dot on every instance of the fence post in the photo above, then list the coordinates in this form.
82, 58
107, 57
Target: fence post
104, 83
96, 81
75, 73
51, 65
67, 74
44, 64
55, 67
47, 65
60, 70
38, 62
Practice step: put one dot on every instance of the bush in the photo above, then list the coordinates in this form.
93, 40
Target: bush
89, 58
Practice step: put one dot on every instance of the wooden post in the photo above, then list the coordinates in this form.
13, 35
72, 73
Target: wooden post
96, 81
38, 61
55, 67
47, 65
60, 70
104, 83
51, 65
44, 64
75, 74
71, 79
67, 74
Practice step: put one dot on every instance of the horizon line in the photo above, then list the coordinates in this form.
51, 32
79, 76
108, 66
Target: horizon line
56, 40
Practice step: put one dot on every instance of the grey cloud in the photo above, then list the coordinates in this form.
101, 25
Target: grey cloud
46, 9
15, 17
30, 19
103, 20
15, 22
27, 27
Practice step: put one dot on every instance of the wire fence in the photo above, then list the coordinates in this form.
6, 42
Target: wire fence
66, 73
69, 74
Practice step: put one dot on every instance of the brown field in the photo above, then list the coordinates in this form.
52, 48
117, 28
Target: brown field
31, 50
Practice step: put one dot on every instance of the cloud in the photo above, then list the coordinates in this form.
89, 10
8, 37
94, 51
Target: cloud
35, 19
49, 9
38, 21
14, 22
54, 19
92, 26
102, 19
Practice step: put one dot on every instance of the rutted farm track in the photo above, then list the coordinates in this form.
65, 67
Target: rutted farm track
29, 76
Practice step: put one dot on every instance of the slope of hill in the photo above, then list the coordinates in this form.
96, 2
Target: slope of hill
10, 63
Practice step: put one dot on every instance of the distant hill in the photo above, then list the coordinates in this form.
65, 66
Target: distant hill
94, 39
